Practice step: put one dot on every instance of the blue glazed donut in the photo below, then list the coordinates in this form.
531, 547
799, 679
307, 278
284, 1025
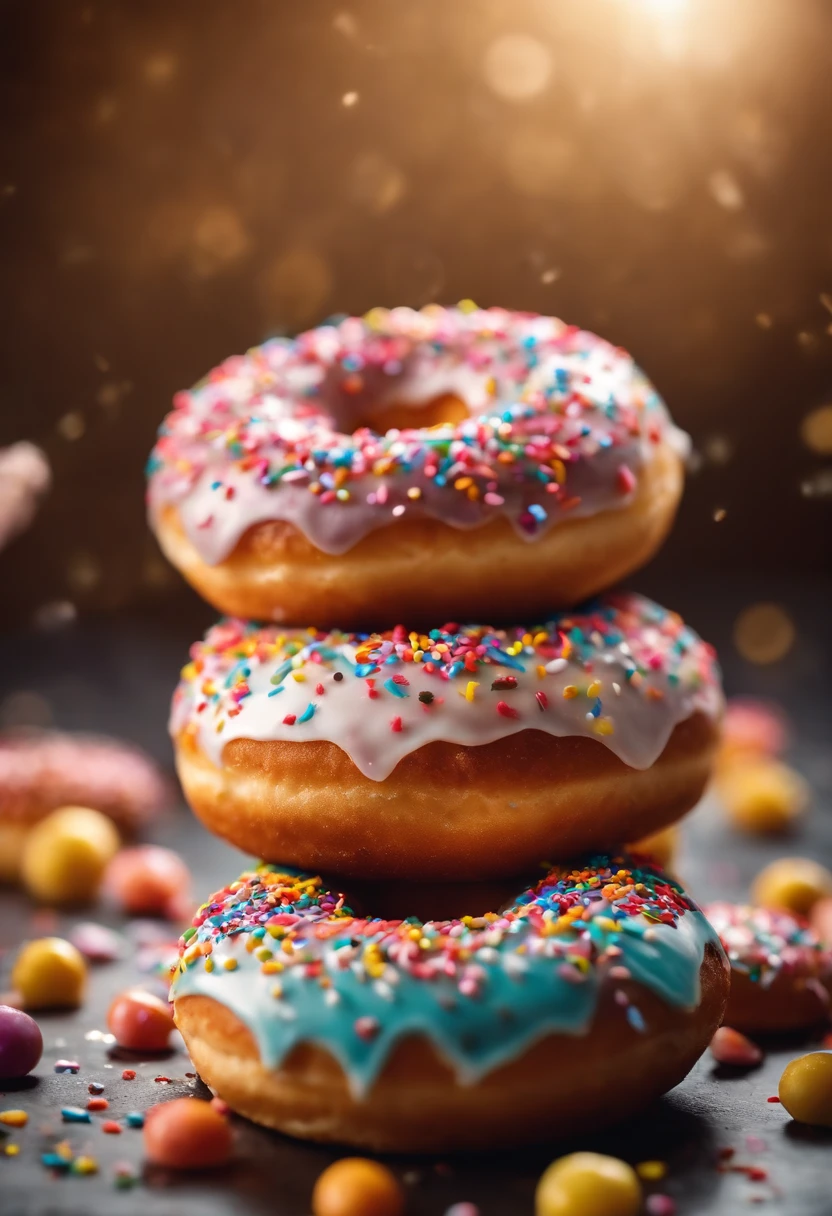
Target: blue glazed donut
312, 1011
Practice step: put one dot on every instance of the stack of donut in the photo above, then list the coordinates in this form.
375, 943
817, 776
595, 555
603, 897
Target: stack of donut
438, 744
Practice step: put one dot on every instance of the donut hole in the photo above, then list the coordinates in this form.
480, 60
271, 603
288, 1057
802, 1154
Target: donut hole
431, 901
446, 409
382, 413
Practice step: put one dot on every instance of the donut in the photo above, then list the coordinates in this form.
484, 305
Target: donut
522, 463
781, 973
41, 771
592, 992
464, 753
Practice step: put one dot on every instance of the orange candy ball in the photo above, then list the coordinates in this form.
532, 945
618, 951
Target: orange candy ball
140, 1021
149, 881
186, 1134
356, 1186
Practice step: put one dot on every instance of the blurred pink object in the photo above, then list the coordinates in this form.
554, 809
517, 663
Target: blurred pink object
24, 479
820, 919
752, 726
41, 771
730, 1047
150, 881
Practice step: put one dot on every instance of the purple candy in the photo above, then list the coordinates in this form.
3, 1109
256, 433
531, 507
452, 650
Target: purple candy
21, 1043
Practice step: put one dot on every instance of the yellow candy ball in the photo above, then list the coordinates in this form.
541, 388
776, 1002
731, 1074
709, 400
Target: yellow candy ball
49, 973
65, 855
806, 1088
589, 1184
763, 795
793, 883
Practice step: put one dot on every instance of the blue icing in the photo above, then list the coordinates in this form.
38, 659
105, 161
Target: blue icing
516, 983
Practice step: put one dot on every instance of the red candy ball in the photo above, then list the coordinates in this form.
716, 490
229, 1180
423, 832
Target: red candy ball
140, 1021
186, 1134
21, 1043
149, 881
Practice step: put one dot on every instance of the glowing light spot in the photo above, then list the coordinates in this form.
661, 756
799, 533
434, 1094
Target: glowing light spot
517, 67
72, 426
219, 239
349, 100
819, 485
83, 572
295, 286
764, 633
816, 430
718, 449
376, 184
160, 68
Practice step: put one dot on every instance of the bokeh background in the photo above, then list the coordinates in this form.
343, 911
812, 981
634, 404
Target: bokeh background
181, 178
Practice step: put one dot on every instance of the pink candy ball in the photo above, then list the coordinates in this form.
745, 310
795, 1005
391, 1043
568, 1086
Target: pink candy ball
149, 881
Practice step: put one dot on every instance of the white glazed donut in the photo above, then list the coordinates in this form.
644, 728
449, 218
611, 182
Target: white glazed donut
464, 753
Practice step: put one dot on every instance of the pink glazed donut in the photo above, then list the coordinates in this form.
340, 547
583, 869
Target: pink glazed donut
463, 463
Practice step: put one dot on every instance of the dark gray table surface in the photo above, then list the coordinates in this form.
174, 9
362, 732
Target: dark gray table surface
116, 674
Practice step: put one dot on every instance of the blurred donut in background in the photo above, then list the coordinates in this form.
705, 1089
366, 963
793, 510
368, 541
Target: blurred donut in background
44, 770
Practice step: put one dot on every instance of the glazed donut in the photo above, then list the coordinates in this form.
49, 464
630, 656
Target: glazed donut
311, 479
42, 771
781, 974
417, 1035
461, 754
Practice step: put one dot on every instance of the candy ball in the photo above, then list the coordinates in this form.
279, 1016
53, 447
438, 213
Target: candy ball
66, 854
148, 881
356, 1186
140, 1021
49, 973
186, 1134
763, 795
588, 1183
97, 943
21, 1043
793, 883
806, 1088
752, 728
730, 1047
